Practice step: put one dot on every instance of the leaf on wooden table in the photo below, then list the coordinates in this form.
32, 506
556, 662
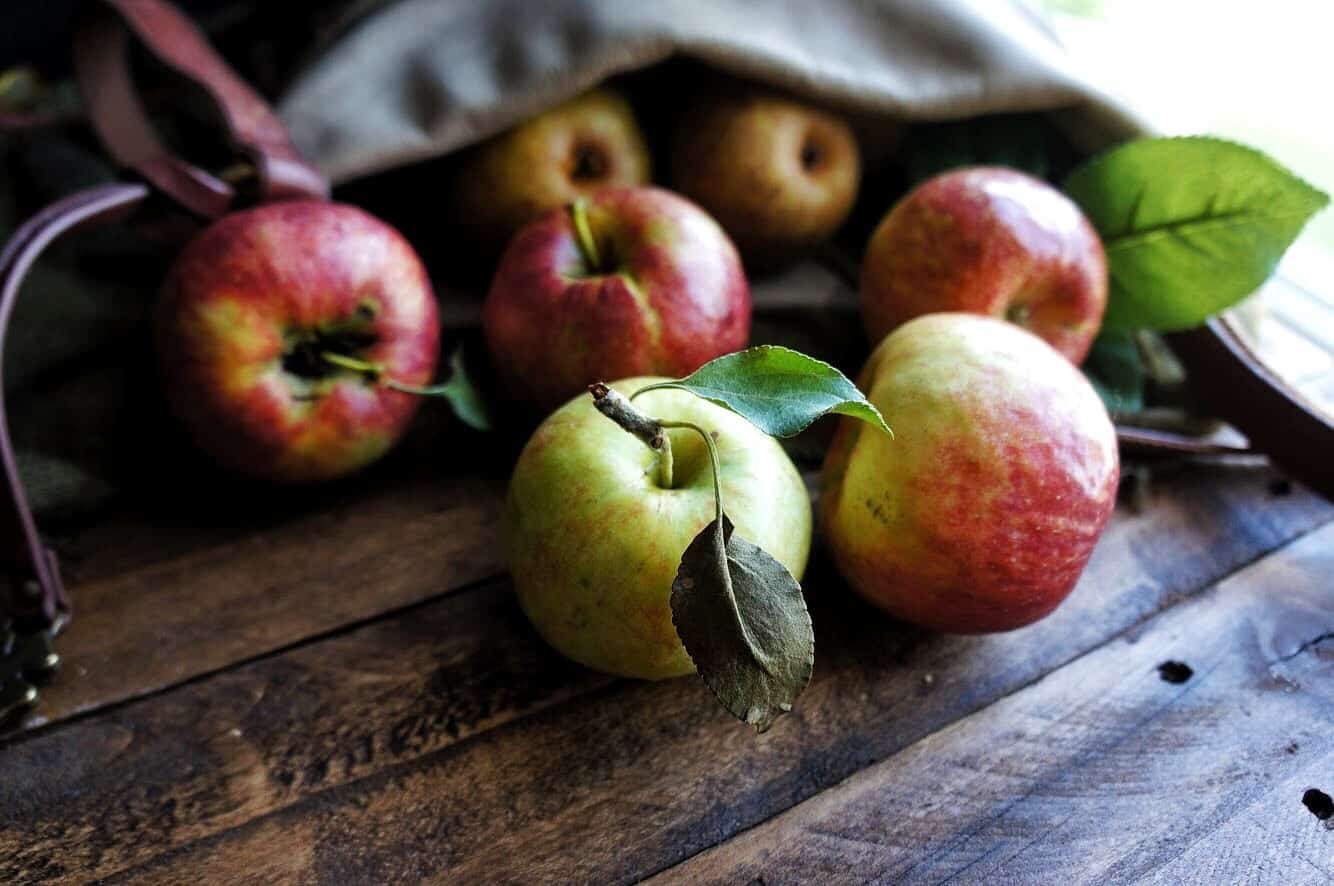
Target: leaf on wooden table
742, 618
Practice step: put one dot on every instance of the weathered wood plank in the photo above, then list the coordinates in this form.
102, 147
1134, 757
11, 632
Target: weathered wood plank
611, 784
1106, 770
226, 593
94, 795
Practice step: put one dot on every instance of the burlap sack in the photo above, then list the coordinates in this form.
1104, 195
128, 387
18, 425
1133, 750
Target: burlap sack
421, 78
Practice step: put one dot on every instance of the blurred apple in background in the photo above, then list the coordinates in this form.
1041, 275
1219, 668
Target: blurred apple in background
651, 287
779, 175
981, 511
250, 313
569, 151
988, 240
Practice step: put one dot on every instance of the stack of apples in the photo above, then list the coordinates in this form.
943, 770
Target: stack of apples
653, 284
983, 289
295, 336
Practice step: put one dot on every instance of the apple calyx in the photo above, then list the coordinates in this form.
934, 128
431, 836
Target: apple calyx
304, 348
590, 163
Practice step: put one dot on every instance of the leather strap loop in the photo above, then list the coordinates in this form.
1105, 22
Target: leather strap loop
36, 589
121, 121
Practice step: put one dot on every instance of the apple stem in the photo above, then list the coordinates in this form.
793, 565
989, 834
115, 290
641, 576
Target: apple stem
588, 245
713, 461
666, 463
615, 406
375, 371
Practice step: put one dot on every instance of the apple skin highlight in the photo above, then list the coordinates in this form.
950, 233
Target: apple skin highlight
982, 511
671, 296
245, 290
993, 241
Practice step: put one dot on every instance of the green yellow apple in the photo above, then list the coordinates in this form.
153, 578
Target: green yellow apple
780, 175
569, 151
594, 541
981, 512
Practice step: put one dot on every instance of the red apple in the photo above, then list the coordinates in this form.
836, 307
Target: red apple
655, 288
988, 240
981, 512
249, 314
778, 174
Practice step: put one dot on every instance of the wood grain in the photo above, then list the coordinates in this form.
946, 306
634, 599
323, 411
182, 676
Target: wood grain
1104, 770
99, 793
226, 592
263, 569
610, 784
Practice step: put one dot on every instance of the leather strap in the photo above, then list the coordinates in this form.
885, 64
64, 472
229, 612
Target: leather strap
1235, 384
35, 586
101, 67
39, 606
120, 119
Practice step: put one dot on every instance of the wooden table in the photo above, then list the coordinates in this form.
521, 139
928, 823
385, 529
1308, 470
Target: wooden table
338, 687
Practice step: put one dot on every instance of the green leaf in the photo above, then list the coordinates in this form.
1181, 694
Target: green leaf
742, 618
463, 398
1013, 140
1191, 225
1116, 371
778, 390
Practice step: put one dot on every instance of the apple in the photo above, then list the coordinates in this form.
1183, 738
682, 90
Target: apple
988, 240
249, 315
981, 512
594, 540
779, 175
648, 284
569, 151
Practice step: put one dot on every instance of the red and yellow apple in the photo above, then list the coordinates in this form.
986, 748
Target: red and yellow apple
778, 174
251, 309
659, 290
567, 152
594, 540
981, 512
988, 240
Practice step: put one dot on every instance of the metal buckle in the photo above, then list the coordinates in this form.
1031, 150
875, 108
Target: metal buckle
27, 658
